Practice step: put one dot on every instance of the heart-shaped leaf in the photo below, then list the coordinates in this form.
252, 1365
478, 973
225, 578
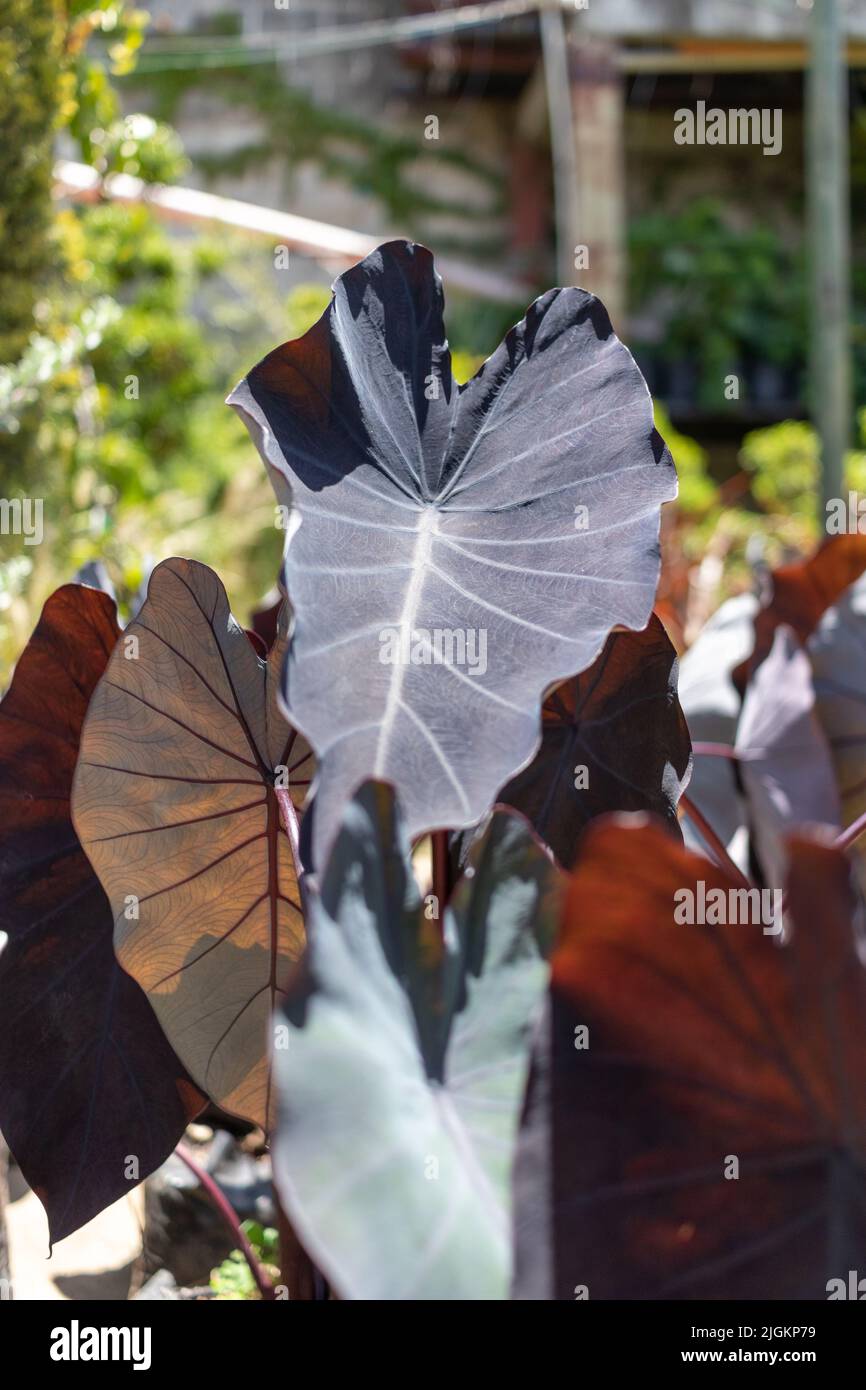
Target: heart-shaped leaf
403, 1070
612, 739
176, 805
92, 1098
451, 551
696, 1115
783, 755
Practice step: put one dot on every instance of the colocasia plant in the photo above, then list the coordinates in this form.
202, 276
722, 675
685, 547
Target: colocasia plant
578, 1059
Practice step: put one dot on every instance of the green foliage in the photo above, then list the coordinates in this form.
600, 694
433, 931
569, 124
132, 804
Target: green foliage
726, 294
140, 146
232, 1280
304, 307
49, 80
30, 59
784, 463
45, 359
91, 102
698, 492
465, 364
137, 455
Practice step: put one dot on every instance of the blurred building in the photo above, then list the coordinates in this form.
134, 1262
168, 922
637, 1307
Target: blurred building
344, 137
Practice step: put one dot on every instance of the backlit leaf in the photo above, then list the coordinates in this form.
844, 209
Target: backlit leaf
175, 803
452, 552
800, 593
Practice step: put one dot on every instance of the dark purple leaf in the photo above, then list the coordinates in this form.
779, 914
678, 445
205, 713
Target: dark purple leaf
92, 1098
612, 739
705, 1137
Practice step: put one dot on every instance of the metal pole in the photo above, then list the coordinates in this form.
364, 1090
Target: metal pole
827, 183
554, 48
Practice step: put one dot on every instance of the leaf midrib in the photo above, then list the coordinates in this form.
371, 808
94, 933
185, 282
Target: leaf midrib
428, 527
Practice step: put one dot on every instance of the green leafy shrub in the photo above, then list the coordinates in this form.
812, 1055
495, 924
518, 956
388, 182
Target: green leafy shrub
723, 293
784, 463
232, 1280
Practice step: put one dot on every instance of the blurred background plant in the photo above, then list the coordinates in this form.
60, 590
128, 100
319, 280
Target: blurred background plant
716, 285
232, 1281
121, 340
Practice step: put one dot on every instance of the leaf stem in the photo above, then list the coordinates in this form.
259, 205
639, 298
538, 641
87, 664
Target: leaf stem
725, 750
715, 750
231, 1218
291, 823
443, 878
852, 833
712, 839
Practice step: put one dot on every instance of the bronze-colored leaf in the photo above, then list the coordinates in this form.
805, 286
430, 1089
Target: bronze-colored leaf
802, 592
92, 1098
176, 805
705, 1136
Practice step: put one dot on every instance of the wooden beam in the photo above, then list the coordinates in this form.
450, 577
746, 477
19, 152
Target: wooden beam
566, 187
694, 56
322, 242
598, 104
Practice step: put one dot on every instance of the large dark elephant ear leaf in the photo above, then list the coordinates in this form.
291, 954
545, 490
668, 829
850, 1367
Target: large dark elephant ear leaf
695, 1125
176, 803
452, 552
403, 1069
612, 739
92, 1098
